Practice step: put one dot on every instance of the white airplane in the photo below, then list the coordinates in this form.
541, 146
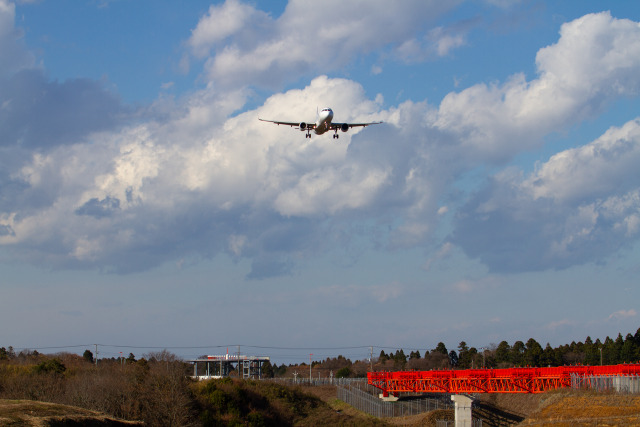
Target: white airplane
323, 124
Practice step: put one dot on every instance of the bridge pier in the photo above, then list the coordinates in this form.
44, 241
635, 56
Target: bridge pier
462, 410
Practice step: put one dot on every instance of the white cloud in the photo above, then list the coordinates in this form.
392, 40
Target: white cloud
198, 180
580, 206
596, 60
355, 295
223, 21
622, 314
595, 170
262, 50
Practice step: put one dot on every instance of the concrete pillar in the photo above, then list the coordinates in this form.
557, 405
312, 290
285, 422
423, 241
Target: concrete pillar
462, 410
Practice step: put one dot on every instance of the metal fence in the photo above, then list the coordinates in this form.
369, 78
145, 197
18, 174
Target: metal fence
318, 381
363, 400
620, 384
475, 422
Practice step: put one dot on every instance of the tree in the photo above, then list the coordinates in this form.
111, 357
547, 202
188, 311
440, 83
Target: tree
3, 354
343, 372
549, 357
88, 356
131, 358
51, 365
267, 370
383, 357
453, 358
503, 353
399, 359
629, 350
517, 352
609, 355
532, 353
441, 348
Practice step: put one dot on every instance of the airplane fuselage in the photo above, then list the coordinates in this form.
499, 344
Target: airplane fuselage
323, 122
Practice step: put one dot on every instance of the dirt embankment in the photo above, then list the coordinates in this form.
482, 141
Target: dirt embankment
41, 414
570, 408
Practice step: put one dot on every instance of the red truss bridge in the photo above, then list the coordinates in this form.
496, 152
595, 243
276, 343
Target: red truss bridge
512, 380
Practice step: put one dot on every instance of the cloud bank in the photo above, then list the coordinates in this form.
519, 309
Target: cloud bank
84, 187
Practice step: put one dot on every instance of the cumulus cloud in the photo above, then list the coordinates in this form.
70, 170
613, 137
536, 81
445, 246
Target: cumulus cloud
580, 206
261, 50
199, 179
595, 61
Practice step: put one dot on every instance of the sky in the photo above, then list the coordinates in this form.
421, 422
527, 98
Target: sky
144, 206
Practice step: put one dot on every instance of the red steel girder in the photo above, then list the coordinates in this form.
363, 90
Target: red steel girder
511, 380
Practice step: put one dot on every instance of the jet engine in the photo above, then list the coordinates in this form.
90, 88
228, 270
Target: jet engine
344, 127
303, 126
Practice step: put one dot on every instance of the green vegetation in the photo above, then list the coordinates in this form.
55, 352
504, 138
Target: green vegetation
529, 353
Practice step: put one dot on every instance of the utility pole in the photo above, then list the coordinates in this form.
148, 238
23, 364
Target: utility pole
310, 354
600, 355
96, 359
371, 358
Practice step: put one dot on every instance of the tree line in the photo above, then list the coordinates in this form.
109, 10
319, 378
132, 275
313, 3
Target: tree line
519, 354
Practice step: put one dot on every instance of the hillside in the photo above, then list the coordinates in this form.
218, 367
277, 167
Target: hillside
31, 413
260, 403
570, 408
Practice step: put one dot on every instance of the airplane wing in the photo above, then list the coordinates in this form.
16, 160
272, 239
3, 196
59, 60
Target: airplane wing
296, 124
344, 126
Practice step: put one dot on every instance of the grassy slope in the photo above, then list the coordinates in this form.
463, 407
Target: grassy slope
259, 403
32, 413
570, 408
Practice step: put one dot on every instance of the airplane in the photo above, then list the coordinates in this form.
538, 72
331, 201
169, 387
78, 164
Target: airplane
323, 124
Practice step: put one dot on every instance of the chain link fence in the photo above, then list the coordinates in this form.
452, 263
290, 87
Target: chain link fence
366, 400
620, 384
317, 381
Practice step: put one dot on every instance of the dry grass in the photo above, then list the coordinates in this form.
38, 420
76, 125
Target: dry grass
571, 408
31, 413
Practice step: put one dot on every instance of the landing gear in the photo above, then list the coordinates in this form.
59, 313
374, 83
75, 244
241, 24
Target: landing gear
336, 136
308, 135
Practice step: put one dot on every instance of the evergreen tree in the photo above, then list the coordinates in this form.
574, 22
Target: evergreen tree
532, 353
453, 358
88, 356
441, 348
399, 359
267, 370
617, 349
609, 352
629, 351
548, 357
503, 352
517, 353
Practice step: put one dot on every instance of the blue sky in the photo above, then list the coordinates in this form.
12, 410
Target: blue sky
143, 205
